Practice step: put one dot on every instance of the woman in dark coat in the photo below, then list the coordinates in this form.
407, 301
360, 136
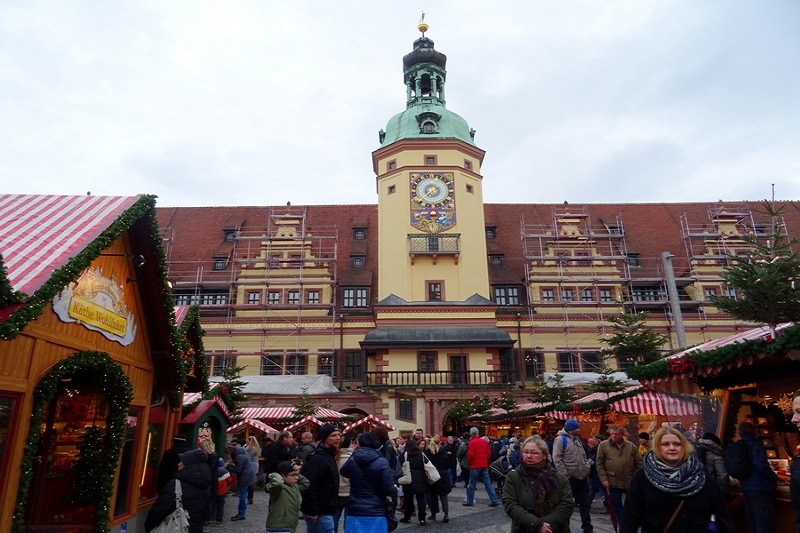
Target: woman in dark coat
671, 492
418, 488
371, 484
439, 490
195, 481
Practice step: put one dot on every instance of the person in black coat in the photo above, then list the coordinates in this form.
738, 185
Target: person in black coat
195, 481
169, 461
418, 488
439, 490
671, 492
322, 496
279, 451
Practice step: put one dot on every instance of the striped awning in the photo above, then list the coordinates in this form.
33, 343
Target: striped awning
303, 422
580, 417
656, 403
181, 311
249, 422
370, 420
41, 233
283, 413
192, 397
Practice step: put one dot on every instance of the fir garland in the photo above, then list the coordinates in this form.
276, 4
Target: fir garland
8, 296
192, 334
118, 390
732, 353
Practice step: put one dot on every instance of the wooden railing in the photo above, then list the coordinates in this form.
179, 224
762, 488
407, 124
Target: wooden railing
438, 379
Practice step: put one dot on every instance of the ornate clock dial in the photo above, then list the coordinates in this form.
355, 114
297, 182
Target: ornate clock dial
432, 191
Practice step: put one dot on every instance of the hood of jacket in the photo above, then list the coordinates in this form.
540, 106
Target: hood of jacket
198, 475
365, 456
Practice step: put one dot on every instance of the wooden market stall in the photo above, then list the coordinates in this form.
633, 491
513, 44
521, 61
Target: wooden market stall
84, 303
750, 376
368, 423
249, 425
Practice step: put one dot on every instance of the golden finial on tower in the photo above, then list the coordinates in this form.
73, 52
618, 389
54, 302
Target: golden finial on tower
422, 26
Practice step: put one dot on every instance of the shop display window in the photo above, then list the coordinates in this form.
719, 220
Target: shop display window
147, 487
127, 459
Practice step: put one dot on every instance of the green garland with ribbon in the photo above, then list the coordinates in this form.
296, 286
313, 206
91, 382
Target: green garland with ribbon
788, 340
118, 391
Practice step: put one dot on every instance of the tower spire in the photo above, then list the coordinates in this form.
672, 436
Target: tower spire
422, 26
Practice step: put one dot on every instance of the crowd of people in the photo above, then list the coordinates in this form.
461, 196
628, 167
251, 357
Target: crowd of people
666, 483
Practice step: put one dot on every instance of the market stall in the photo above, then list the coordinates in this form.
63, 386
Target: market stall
307, 423
368, 423
248, 425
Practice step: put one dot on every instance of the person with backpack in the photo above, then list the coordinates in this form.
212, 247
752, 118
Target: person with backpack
746, 460
569, 458
709, 452
461, 457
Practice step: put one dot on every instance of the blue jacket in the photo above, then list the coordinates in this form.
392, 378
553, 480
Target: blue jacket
763, 478
368, 472
794, 490
242, 466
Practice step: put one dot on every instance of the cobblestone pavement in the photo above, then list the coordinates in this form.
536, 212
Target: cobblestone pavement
478, 519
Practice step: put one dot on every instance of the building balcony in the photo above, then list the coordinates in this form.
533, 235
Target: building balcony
444, 379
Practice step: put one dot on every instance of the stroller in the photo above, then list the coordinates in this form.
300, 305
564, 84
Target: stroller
499, 469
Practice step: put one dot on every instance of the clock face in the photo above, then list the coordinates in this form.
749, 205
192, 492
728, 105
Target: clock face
432, 190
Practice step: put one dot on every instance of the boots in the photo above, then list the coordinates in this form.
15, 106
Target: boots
446, 519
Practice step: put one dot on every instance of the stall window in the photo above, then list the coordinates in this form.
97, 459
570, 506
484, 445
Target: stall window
121, 505
155, 436
8, 406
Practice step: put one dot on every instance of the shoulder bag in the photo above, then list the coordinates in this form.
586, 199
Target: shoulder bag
178, 520
405, 479
430, 470
674, 516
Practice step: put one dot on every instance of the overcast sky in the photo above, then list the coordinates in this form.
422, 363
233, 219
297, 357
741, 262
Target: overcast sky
264, 102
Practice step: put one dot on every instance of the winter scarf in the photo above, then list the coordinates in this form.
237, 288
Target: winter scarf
683, 481
547, 493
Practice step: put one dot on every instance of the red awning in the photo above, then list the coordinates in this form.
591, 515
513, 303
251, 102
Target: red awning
309, 419
370, 420
283, 413
257, 424
656, 403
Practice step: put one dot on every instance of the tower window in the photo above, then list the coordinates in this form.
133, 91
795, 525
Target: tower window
470, 189
391, 189
391, 165
468, 164
359, 234
430, 159
428, 127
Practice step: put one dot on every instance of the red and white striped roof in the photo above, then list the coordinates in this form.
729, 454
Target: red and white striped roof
308, 419
249, 422
370, 420
40, 233
281, 413
656, 403
567, 415
761, 332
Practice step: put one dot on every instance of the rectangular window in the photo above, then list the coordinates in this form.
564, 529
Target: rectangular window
274, 297
730, 292
491, 233
505, 295
272, 364
568, 362
352, 366
253, 298
616, 230
591, 362
470, 188
433, 244
548, 295
496, 260
584, 259
605, 295
357, 261
230, 235
391, 189
430, 159
391, 165
186, 299
220, 263
312, 297
710, 294
275, 261
359, 234
534, 364
586, 295
355, 297
296, 262
325, 364
468, 164
633, 260
217, 362
297, 364
458, 369
214, 298
293, 297
567, 295
427, 361
434, 292
405, 409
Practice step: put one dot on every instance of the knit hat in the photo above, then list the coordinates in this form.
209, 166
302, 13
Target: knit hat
193, 457
713, 438
285, 467
369, 440
325, 431
442, 439
571, 424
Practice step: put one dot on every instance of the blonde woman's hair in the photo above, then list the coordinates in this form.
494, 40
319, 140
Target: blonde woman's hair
433, 446
686, 448
208, 446
252, 442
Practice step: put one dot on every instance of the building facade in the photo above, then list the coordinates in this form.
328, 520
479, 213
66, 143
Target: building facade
432, 295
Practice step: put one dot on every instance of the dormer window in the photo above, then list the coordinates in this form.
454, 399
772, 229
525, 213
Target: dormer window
428, 127
230, 235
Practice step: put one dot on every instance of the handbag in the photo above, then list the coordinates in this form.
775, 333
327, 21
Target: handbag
405, 479
431, 471
178, 520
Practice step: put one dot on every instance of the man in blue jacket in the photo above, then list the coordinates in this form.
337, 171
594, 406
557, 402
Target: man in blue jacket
759, 487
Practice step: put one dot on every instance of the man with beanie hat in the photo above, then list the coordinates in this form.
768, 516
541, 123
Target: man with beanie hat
569, 458
321, 498
195, 480
169, 461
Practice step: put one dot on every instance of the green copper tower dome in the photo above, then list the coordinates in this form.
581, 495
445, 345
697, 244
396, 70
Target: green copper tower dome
425, 116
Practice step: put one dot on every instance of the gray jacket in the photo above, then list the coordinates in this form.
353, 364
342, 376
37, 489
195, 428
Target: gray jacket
571, 459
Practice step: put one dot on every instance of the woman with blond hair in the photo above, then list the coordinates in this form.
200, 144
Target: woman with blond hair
536, 496
672, 493
253, 449
437, 455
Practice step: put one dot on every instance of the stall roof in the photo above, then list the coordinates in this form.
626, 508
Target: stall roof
370, 419
656, 403
282, 413
257, 424
303, 421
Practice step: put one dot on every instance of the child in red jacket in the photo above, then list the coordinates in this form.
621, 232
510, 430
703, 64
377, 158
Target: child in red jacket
218, 499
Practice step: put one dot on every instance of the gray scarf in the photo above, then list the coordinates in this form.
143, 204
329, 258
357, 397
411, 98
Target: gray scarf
685, 480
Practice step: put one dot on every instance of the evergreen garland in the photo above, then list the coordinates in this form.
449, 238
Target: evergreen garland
118, 390
8, 296
191, 333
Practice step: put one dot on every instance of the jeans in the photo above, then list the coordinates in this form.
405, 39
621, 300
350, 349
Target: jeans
324, 524
581, 492
483, 474
453, 476
341, 511
760, 511
616, 503
242, 494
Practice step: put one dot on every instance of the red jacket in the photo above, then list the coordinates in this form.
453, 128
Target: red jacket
478, 453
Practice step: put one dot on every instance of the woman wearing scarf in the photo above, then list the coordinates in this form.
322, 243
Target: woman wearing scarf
535, 495
671, 492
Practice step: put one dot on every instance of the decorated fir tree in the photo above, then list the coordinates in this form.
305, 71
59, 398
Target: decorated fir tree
633, 342
304, 405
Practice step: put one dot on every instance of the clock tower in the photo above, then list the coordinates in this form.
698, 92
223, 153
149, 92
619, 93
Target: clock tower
430, 202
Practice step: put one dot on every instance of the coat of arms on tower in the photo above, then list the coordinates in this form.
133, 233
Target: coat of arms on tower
433, 203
